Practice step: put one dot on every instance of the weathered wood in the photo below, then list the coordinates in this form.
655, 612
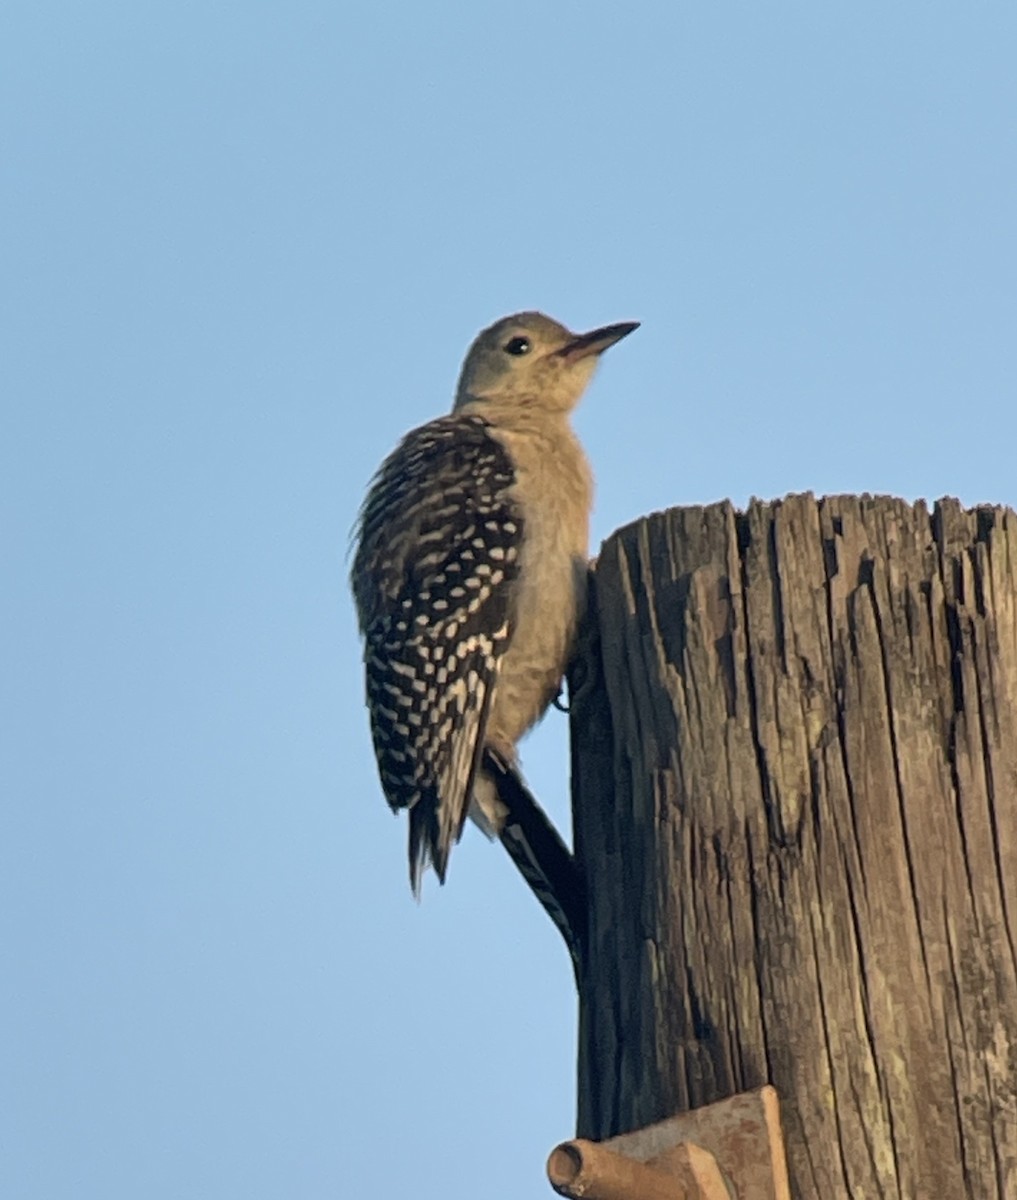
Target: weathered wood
795, 802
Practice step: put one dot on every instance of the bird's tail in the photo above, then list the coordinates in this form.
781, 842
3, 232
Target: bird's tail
541, 857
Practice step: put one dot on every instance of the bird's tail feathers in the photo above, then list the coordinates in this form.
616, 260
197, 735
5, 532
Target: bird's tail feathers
486, 808
541, 857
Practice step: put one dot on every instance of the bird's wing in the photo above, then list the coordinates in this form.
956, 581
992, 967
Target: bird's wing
433, 576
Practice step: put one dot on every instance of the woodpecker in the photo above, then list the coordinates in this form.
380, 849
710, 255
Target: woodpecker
469, 576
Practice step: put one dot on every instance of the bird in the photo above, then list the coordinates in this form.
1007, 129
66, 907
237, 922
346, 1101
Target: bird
469, 576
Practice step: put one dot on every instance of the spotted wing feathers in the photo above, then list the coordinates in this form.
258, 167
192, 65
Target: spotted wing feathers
433, 576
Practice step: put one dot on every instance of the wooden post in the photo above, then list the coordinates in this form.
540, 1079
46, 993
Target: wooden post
795, 806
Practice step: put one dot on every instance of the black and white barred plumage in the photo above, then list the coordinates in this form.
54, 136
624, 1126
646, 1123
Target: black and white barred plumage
437, 555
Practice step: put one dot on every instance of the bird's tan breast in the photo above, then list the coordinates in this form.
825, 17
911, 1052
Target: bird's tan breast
554, 489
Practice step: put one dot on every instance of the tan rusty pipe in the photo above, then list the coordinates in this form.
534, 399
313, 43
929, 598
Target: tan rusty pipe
585, 1169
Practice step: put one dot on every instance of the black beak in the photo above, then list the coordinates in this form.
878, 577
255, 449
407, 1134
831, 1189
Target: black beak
597, 341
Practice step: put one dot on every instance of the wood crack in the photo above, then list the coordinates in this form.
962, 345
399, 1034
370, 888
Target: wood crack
807, 807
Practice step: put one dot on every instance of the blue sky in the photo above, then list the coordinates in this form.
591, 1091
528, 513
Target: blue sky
244, 249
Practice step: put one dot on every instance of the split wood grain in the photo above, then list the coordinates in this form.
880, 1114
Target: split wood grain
795, 805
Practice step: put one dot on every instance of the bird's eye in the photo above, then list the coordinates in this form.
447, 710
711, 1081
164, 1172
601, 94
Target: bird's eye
518, 345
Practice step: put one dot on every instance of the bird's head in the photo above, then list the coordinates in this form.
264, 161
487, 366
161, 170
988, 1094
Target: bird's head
528, 360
